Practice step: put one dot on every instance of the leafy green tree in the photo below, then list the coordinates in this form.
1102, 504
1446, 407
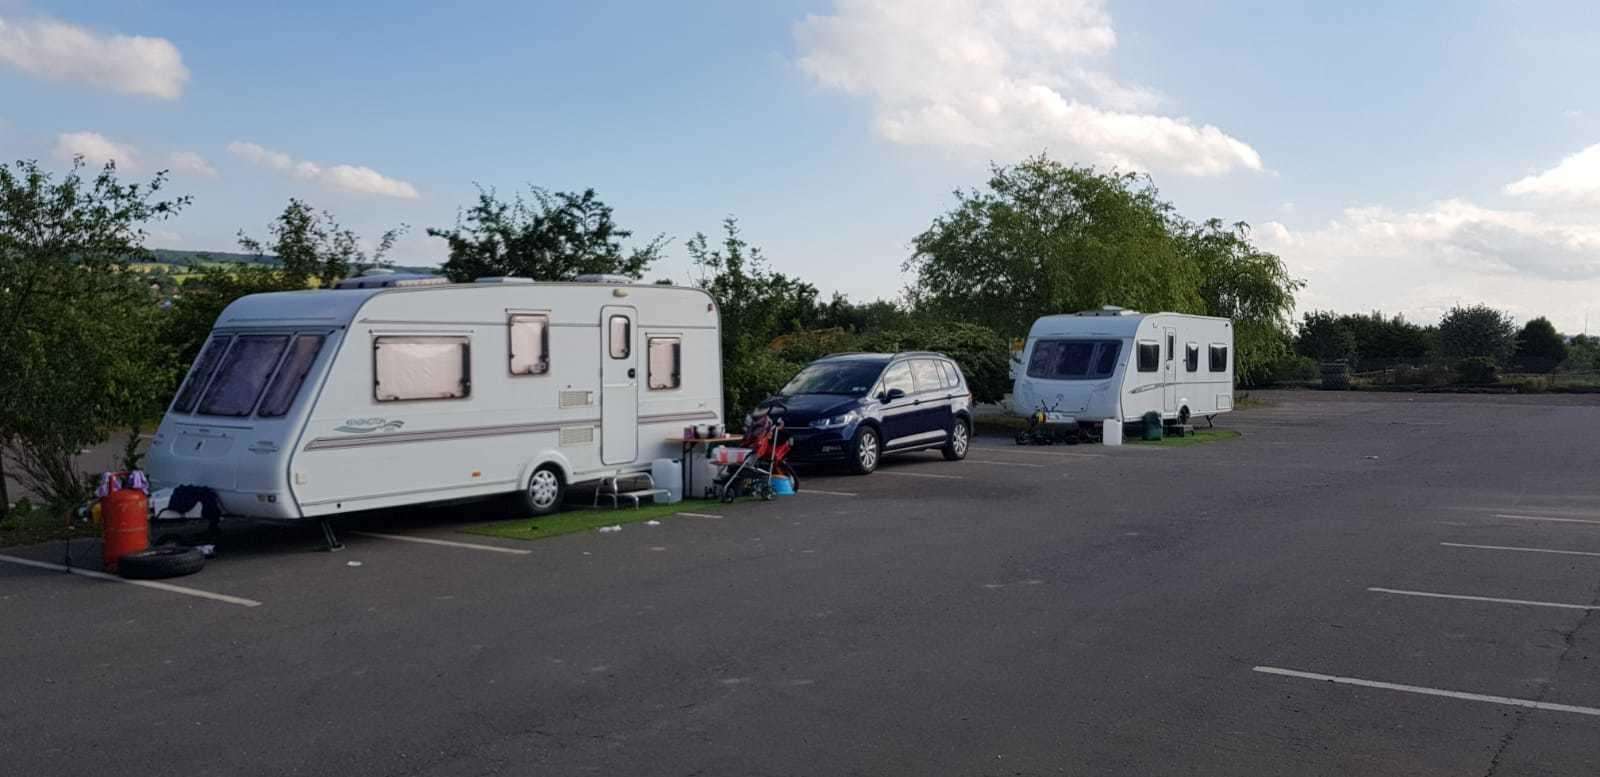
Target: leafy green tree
1539, 347
550, 236
202, 297
313, 246
875, 316
1243, 283
756, 305
1583, 354
1324, 336
1048, 238
1477, 331
76, 326
1381, 340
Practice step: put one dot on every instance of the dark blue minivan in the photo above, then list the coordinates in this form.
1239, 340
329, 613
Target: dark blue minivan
856, 407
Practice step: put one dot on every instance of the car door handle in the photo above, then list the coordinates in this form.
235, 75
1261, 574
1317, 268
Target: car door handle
916, 402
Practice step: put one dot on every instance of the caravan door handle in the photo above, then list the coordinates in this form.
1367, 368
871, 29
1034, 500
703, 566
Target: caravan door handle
632, 373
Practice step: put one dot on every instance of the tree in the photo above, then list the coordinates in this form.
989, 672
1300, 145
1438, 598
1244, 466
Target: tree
1477, 331
555, 236
1583, 354
1539, 347
1324, 336
1048, 238
1241, 282
314, 246
203, 296
75, 346
1383, 341
756, 305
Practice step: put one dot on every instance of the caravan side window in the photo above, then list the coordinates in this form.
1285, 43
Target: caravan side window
621, 340
1191, 357
666, 363
422, 367
1219, 358
1149, 357
530, 343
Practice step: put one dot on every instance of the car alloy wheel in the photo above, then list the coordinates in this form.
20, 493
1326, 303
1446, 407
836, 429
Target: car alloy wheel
867, 451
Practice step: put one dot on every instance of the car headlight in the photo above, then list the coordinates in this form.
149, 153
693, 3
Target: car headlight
836, 421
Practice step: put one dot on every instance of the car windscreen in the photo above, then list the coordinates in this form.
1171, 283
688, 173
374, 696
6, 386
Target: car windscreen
851, 378
1063, 359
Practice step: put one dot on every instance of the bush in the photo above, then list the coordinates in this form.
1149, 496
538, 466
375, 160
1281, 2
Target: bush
1477, 371
1427, 375
747, 381
1335, 376
1292, 368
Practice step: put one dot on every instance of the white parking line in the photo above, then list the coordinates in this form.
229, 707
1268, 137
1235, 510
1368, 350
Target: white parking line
159, 586
1538, 705
1493, 599
1522, 550
1005, 463
699, 515
825, 493
446, 543
1025, 452
920, 475
1545, 518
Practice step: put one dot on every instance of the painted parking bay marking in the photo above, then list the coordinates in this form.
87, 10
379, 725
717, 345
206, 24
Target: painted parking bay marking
809, 490
1530, 703
920, 475
1492, 599
1005, 463
1545, 518
1520, 550
157, 585
445, 543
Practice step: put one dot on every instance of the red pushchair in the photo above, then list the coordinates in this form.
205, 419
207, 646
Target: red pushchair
749, 469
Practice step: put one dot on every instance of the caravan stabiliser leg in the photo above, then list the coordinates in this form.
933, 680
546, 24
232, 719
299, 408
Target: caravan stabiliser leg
328, 535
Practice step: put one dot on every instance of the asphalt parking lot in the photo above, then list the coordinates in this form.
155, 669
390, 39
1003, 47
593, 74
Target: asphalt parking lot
1362, 584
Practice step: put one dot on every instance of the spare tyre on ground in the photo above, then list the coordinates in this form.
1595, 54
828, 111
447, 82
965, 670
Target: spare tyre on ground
161, 562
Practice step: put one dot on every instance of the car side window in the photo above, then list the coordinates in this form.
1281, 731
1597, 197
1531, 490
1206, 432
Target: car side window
927, 376
898, 376
952, 376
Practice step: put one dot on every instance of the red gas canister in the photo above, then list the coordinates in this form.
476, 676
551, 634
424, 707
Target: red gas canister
126, 514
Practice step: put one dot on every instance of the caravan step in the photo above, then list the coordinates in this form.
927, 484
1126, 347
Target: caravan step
634, 495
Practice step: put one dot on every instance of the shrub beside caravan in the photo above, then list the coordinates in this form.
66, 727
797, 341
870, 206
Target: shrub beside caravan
1120, 364
307, 404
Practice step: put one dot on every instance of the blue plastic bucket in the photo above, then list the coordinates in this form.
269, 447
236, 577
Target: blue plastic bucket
782, 486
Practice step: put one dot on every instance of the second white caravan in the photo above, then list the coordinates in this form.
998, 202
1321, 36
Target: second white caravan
307, 404
1120, 364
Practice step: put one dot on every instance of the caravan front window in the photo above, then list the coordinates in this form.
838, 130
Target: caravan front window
1073, 359
204, 366
286, 384
243, 374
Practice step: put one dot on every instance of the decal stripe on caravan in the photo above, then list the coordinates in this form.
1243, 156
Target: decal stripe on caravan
389, 438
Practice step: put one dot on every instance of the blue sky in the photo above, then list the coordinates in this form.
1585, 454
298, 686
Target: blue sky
1398, 156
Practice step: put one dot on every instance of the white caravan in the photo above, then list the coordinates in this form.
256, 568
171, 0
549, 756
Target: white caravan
1120, 364
307, 404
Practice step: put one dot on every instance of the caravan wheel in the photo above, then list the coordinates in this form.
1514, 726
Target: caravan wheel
544, 491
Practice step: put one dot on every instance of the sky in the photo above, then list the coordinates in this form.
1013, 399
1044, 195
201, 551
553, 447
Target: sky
1404, 157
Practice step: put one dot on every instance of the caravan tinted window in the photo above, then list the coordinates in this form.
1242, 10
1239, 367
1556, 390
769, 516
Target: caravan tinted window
243, 374
1219, 358
1073, 359
1191, 357
1149, 357
204, 365
286, 384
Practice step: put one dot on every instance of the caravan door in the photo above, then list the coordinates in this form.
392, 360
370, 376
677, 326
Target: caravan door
619, 386
1169, 374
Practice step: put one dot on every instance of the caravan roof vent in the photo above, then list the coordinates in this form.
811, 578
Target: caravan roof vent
1109, 310
389, 279
504, 279
597, 277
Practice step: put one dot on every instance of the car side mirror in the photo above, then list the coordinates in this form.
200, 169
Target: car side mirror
891, 395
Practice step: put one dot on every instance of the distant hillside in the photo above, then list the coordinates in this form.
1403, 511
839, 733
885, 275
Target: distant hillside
178, 258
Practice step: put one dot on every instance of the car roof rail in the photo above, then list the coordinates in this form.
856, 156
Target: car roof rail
922, 353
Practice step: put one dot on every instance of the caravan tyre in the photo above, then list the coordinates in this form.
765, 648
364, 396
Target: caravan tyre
544, 492
161, 562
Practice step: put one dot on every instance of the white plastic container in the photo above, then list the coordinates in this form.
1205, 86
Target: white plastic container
1111, 432
668, 474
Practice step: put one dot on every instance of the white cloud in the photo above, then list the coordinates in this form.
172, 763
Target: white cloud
60, 51
96, 149
349, 178
1577, 176
191, 163
1422, 262
1007, 78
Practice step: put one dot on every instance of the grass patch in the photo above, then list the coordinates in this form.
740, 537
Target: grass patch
1200, 437
580, 519
28, 525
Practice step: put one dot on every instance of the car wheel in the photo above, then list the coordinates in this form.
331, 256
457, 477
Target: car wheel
544, 491
865, 451
955, 449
